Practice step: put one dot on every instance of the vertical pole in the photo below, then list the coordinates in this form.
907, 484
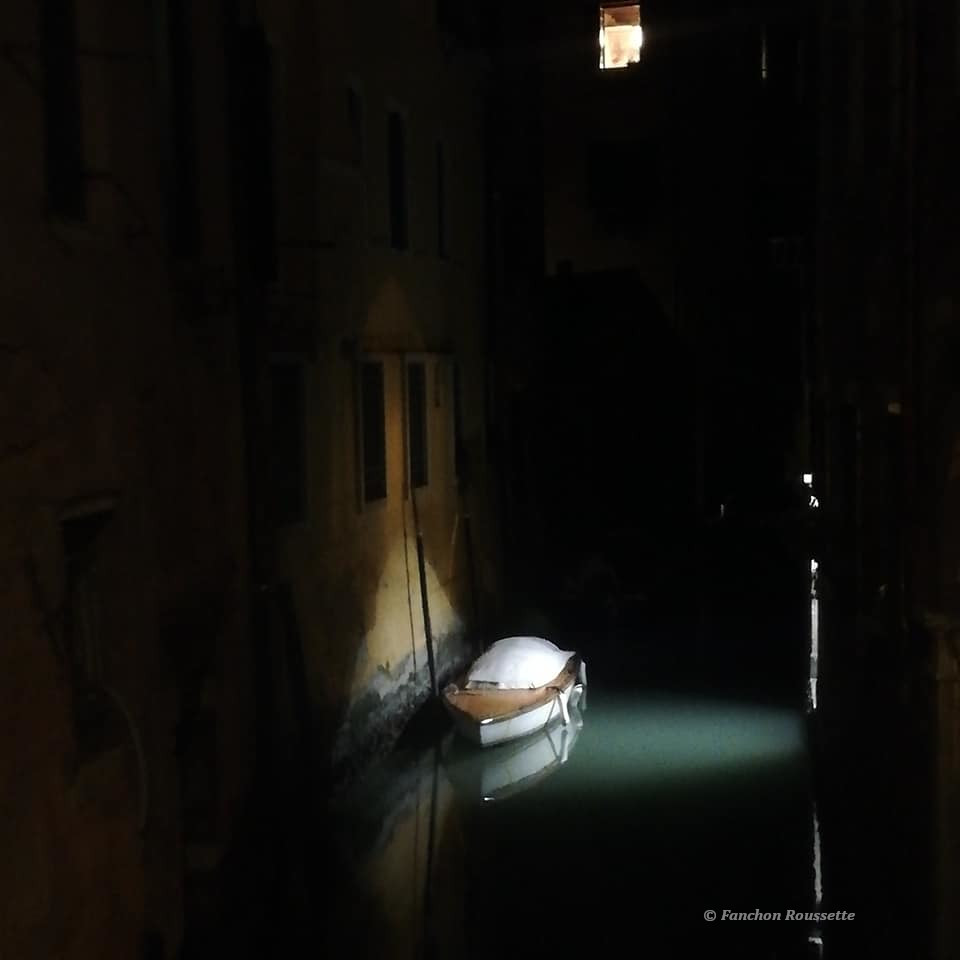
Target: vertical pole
421, 564
424, 599
429, 944
910, 408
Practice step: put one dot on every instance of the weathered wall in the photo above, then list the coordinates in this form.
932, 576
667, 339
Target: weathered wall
124, 750
344, 293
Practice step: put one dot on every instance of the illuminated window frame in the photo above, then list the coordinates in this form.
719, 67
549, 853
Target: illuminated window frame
616, 21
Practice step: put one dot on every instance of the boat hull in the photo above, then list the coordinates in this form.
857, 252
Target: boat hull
512, 723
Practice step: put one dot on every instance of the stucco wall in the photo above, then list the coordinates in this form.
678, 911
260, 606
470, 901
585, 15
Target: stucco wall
353, 566
116, 394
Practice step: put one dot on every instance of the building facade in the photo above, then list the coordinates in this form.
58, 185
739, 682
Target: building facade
377, 319
885, 419
243, 458
127, 667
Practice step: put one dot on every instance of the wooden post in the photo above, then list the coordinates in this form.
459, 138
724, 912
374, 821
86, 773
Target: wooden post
424, 599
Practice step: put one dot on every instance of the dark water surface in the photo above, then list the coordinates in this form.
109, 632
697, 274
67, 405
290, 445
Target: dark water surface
695, 779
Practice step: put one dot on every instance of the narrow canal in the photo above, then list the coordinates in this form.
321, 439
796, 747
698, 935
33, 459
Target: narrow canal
696, 779
623, 828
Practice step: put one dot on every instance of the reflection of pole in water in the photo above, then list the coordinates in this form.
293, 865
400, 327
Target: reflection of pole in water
429, 946
817, 874
815, 938
814, 638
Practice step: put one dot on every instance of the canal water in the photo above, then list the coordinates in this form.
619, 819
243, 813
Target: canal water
695, 785
625, 828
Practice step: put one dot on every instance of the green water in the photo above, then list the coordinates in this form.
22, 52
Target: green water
657, 809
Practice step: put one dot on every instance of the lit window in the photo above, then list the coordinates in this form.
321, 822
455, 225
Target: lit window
621, 35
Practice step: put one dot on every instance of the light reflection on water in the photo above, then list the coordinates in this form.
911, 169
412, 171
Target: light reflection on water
650, 809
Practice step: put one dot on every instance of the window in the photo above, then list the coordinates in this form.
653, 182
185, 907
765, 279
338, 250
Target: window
397, 179
786, 253
355, 143
97, 725
441, 203
374, 439
458, 463
624, 183
63, 144
621, 35
287, 441
185, 222
80, 530
417, 424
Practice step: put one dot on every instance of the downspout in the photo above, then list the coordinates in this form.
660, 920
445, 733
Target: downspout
251, 203
909, 408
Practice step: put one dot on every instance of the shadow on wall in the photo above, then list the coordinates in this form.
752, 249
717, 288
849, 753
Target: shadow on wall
359, 683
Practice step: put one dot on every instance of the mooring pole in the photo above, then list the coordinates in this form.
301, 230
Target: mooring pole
424, 600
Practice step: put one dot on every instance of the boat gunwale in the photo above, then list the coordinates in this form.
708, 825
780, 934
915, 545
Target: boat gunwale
563, 681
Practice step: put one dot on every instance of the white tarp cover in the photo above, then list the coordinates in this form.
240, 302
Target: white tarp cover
518, 663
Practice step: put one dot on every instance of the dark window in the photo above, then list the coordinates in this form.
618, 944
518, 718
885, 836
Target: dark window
457, 422
781, 62
355, 126
879, 94
441, 202
63, 159
397, 174
460, 21
184, 219
417, 412
250, 99
374, 432
97, 725
82, 618
624, 183
288, 463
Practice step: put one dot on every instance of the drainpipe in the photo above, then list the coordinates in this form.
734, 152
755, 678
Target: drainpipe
909, 408
248, 104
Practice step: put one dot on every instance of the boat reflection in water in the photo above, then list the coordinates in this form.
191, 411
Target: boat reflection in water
499, 772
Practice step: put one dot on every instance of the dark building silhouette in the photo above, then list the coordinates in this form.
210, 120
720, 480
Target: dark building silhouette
884, 411
655, 299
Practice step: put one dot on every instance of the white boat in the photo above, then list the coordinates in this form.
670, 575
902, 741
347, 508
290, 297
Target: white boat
512, 767
517, 687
